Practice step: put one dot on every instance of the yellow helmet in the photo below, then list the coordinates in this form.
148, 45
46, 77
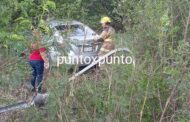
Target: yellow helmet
105, 20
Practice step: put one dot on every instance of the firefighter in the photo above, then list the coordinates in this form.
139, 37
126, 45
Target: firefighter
106, 36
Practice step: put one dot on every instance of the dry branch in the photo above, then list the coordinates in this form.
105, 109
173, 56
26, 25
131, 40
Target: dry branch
186, 28
168, 100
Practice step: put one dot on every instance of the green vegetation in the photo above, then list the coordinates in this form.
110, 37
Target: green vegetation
157, 89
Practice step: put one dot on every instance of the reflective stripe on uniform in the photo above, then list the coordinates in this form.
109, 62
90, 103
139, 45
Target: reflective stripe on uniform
104, 50
108, 40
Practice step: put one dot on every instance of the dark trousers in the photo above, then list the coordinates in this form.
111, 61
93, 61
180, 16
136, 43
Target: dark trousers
37, 73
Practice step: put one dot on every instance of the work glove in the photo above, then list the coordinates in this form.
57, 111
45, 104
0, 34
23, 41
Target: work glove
22, 55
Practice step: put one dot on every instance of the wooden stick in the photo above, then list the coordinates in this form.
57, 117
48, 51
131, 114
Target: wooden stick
186, 28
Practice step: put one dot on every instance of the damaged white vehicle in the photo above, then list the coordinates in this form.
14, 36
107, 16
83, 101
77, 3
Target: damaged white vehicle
71, 40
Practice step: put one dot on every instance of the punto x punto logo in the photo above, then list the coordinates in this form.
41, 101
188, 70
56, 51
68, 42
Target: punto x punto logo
88, 60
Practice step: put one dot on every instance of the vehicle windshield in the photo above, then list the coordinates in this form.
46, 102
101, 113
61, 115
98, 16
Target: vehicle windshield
71, 30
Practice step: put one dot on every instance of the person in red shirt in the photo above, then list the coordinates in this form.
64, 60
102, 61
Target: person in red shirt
38, 61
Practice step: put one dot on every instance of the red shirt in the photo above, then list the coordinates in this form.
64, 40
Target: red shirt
35, 55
